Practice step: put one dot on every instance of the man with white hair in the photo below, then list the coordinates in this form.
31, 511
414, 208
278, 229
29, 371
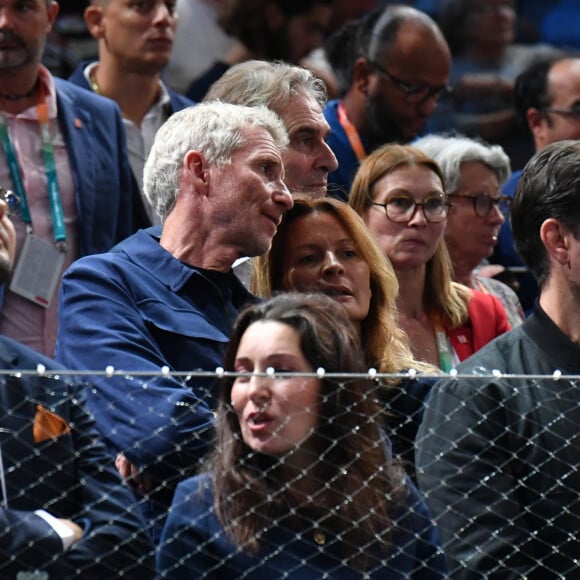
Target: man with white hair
216, 178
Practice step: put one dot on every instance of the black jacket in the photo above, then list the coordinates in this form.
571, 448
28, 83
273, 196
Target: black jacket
498, 458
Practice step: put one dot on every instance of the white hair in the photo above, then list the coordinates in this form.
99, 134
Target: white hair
214, 129
450, 151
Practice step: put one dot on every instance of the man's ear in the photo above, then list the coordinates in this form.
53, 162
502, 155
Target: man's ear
195, 168
361, 75
93, 15
555, 238
52, 10
536, 122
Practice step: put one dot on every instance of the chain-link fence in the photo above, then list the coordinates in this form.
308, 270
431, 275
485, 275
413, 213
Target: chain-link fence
496, 459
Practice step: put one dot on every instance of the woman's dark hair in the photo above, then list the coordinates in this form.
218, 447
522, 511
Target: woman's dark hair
358, 482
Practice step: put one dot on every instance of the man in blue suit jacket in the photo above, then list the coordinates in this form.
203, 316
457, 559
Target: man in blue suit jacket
135, 42
63, 151
63, 509
54, 460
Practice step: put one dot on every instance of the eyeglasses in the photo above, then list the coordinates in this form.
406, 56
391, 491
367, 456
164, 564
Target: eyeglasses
414, 93
483, 203
574, 113
401, 208
11, 200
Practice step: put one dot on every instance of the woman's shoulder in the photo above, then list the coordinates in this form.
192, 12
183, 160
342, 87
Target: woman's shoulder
505, 295
194, 490
483, 304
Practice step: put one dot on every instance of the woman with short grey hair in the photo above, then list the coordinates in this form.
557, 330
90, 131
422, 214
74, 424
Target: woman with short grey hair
474, 171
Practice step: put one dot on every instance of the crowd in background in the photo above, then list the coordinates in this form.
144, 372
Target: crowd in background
289, 187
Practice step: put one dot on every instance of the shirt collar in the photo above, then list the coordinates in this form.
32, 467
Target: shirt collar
144, 249
47, 81
557, 345
164, 99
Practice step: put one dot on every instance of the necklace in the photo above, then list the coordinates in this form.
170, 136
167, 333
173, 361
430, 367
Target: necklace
15, 97
93, 81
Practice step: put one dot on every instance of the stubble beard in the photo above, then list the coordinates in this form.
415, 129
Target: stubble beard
382, 127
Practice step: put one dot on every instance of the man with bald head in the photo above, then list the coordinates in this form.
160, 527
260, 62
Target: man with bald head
400, 65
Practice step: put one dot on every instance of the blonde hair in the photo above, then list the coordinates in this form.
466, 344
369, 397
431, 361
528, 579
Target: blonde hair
384, 342
442, 297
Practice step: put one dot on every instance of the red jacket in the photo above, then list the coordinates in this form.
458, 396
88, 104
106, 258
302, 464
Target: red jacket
487, 320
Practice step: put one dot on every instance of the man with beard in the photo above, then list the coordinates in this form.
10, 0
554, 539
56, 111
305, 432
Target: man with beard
135, 41
63, 153
399, 63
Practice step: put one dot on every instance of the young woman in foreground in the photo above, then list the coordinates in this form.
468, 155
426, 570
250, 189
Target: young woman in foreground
301, 483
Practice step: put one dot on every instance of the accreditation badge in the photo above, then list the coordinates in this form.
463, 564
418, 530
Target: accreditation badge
38, 271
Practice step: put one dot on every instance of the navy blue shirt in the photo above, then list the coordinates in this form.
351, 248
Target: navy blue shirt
195, 545
137, 308
340, 181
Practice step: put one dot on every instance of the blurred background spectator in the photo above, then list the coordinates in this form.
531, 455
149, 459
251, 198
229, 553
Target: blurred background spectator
286, 30
486, 61
199, 41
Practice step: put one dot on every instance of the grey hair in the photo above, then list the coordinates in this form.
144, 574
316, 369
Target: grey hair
214, 129
272, 84
449, 152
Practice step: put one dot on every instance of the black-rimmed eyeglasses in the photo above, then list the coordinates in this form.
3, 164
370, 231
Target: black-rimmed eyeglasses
483, 203
11, 200
402, 208
413, 93
573, 113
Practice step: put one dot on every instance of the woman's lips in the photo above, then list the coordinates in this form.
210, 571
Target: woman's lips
259, 422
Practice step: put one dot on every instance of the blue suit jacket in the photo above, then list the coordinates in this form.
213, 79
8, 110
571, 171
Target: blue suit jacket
66, 470
95, 137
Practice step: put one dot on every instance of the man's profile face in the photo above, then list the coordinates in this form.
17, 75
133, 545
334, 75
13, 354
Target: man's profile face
308, 159
24, 27
248, 195
417, 58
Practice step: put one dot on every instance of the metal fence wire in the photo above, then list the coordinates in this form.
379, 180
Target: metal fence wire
494, 458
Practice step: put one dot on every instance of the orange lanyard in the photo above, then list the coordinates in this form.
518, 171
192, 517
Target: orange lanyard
351, 133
